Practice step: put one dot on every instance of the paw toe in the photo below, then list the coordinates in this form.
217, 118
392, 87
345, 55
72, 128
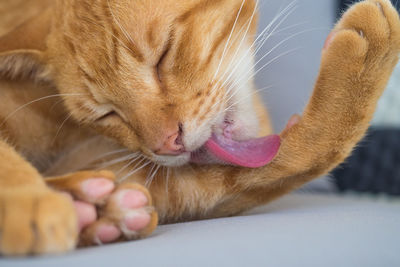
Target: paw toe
369, 19
132, 199
127, 214
56, 226
348, 44
106, 233
136, 221
17, 237
86, 213
96, 189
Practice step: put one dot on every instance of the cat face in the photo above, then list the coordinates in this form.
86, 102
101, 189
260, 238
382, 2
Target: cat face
158, 76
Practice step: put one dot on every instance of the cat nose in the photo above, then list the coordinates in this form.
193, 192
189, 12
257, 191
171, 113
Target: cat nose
172, 144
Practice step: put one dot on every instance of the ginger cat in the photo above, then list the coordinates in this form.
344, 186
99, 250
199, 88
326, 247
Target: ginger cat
160, 96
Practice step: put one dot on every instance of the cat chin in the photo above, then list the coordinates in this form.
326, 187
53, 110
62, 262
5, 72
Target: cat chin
172, 161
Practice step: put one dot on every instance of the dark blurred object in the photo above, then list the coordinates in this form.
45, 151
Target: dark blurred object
374, 166
344, 4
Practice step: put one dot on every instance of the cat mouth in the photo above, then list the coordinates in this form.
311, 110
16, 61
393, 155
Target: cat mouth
221, 148
251, 153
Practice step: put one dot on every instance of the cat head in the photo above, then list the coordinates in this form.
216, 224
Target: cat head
160, 77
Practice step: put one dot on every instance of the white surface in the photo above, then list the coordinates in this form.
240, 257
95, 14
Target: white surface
297, 230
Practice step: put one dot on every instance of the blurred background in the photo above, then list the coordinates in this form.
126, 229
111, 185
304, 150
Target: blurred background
290, 66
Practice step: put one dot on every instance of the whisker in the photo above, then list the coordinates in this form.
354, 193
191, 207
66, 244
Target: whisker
109, 154
240, 32
59, 129
119, 24
248, 96
133, 172
291, 27
290, 10
35, 101
272, 60
244, 26
55, 104
167, 183
282, 42
261, 38
229, 38
262, 42
242, 41
248, 21
276, 58
149, 173
239, 80
118, 160
150, 181
247, 25
128, 164
274, 30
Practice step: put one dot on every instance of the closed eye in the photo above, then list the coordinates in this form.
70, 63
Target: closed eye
107, 116
159, 64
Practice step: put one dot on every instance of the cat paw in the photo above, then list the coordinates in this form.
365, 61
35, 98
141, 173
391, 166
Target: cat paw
108, 212
36, 221
365, 44
127, 215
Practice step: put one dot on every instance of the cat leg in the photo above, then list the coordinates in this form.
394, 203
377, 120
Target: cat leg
33, 218
123, 212
356, 65
357, 62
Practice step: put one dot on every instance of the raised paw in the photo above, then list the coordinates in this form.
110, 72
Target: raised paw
108, 213
363, 49
369, 30
375, 20
36, 221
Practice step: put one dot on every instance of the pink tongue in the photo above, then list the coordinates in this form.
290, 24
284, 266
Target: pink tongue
252, 153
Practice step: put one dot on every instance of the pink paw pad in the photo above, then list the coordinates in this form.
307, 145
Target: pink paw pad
97, 188
86, 213
132, 199
137, 221
107, 233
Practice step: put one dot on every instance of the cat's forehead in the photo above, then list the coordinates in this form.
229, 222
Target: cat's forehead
138, 16
148, 21
144, 12
152, 21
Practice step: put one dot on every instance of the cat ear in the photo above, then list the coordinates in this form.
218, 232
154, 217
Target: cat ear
22, 50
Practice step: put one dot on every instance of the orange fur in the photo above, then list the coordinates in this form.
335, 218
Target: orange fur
109, 79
